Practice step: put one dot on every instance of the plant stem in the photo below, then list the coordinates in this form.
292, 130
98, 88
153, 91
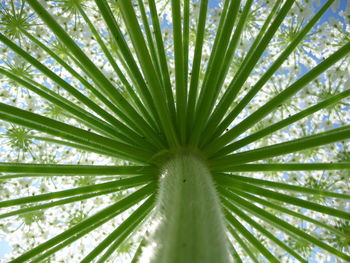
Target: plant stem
189, 224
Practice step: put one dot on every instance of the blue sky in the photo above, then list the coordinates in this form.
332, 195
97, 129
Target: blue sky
5, 248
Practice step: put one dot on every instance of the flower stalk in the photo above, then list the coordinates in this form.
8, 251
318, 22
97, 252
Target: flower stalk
188, 220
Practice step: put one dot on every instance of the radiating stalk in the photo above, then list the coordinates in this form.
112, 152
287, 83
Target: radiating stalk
251, 254
106, 213
287, 93
262, 81
236, 84
285, 122
278, 167
162, 57
285, 198
116, 184
282, 209
278, 223
261, 229
124, 109
196, 64
206, 95
65, 131
59, 169
76, 112
180, 86
60, 202
114, 239
311, 141
282, 186
152, 79
188, 222
142, 107
251, 238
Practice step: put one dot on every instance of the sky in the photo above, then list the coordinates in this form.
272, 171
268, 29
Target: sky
5, 248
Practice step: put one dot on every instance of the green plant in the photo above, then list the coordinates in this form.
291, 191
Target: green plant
208, 135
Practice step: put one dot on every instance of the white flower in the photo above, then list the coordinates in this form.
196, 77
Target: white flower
336, 5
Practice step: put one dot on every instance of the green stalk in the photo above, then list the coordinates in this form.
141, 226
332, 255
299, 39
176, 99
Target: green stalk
232, 46
75, 169
73, 238
150, 40
281, 167
221, 73
251, 238
243, 244
283, 198
152, 79
76, 146
188, 218
61, 61
152, 88
282, 209
238, 81
285, 122
260, 35
228, 58
207, 95
303, 143
261, 229
235, 255
114, 239
128, 182
58, 80
69, 132
267, 75
132, 127
196, 64
138, 252
125, 54
125, 110
223, 25
128, 128
118, 125
185, 37
282, 186
59, 202
180, 84
279, 223
141, 107
267, 108
75, 111
162, 58
105, 213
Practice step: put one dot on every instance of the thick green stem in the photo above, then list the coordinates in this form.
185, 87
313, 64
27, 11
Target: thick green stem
188, 223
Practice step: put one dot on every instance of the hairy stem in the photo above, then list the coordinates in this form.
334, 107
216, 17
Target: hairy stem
188, 223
